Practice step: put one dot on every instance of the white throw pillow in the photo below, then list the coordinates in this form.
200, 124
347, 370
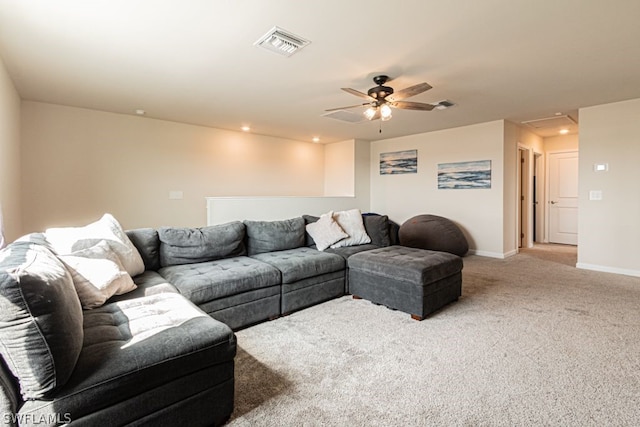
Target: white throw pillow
326, 231
351, 222
97, 274
67, 240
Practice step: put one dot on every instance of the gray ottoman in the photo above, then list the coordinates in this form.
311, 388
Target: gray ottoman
416, 281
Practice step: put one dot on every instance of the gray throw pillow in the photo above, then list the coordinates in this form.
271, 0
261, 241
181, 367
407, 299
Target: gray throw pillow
193, 245
377, 227
269, 236
309, 219
41, 319
148, 244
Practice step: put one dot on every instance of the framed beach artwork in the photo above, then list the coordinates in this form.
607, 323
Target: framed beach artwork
464, 175
399, 162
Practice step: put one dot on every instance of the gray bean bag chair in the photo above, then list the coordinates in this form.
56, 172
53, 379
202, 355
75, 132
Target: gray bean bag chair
434, 233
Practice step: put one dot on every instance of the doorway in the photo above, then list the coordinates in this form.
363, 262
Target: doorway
563, 197
531, 216
525, 199
538, 198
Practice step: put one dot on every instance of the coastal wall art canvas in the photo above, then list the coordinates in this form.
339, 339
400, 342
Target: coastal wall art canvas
399, 162
464, 175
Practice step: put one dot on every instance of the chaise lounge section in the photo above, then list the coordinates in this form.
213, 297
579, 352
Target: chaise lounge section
152, 360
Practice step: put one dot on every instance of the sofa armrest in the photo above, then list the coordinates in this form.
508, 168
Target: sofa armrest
9, 396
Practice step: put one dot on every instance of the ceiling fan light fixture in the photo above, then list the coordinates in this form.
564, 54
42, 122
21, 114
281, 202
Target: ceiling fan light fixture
385, 112
370, 112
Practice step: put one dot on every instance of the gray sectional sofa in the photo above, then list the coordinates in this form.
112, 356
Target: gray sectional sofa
153, 356
242, 273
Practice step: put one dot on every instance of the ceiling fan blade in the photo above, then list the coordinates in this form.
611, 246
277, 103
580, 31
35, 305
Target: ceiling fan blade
358, 93
405, 105
376, 116
346, 108
409, 91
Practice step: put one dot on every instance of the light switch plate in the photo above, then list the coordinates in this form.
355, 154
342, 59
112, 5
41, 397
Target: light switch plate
175, 195
595, 195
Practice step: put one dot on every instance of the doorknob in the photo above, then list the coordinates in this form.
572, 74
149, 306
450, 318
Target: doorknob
553, 202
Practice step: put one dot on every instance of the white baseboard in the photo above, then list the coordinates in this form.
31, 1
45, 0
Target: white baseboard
605, 269
489, 254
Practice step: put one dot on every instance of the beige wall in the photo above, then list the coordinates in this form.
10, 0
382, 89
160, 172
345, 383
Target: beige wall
363, 186
339, 172
480, 213
356, 171
78, 164
10, 186
609, 229
509, 182
561, 143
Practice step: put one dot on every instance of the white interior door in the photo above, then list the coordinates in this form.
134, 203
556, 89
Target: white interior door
563, 198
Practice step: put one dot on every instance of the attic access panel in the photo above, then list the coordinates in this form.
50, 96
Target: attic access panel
551, 122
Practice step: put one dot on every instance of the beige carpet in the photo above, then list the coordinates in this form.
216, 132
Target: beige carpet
532, 341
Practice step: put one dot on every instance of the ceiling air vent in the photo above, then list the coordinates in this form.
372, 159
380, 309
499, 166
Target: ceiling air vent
551, 122
281, 41
346, 116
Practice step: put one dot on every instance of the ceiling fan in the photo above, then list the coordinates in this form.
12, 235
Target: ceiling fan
381, 99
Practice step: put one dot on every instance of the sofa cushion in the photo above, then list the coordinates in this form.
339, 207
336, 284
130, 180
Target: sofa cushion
411, 265
148, 283
181, 245
135, 346
148, 244
301, 263
40, 317
326, 231
97, 274
66, 240
347, 251
269, 236
208, 281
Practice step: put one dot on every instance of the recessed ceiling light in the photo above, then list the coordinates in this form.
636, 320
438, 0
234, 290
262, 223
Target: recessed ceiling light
564, 131
245, 128
316, 139
140, 112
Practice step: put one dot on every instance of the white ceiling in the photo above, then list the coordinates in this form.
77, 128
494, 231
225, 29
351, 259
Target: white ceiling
193, 61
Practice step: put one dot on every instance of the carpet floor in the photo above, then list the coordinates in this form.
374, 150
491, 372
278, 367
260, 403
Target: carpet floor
532, 341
